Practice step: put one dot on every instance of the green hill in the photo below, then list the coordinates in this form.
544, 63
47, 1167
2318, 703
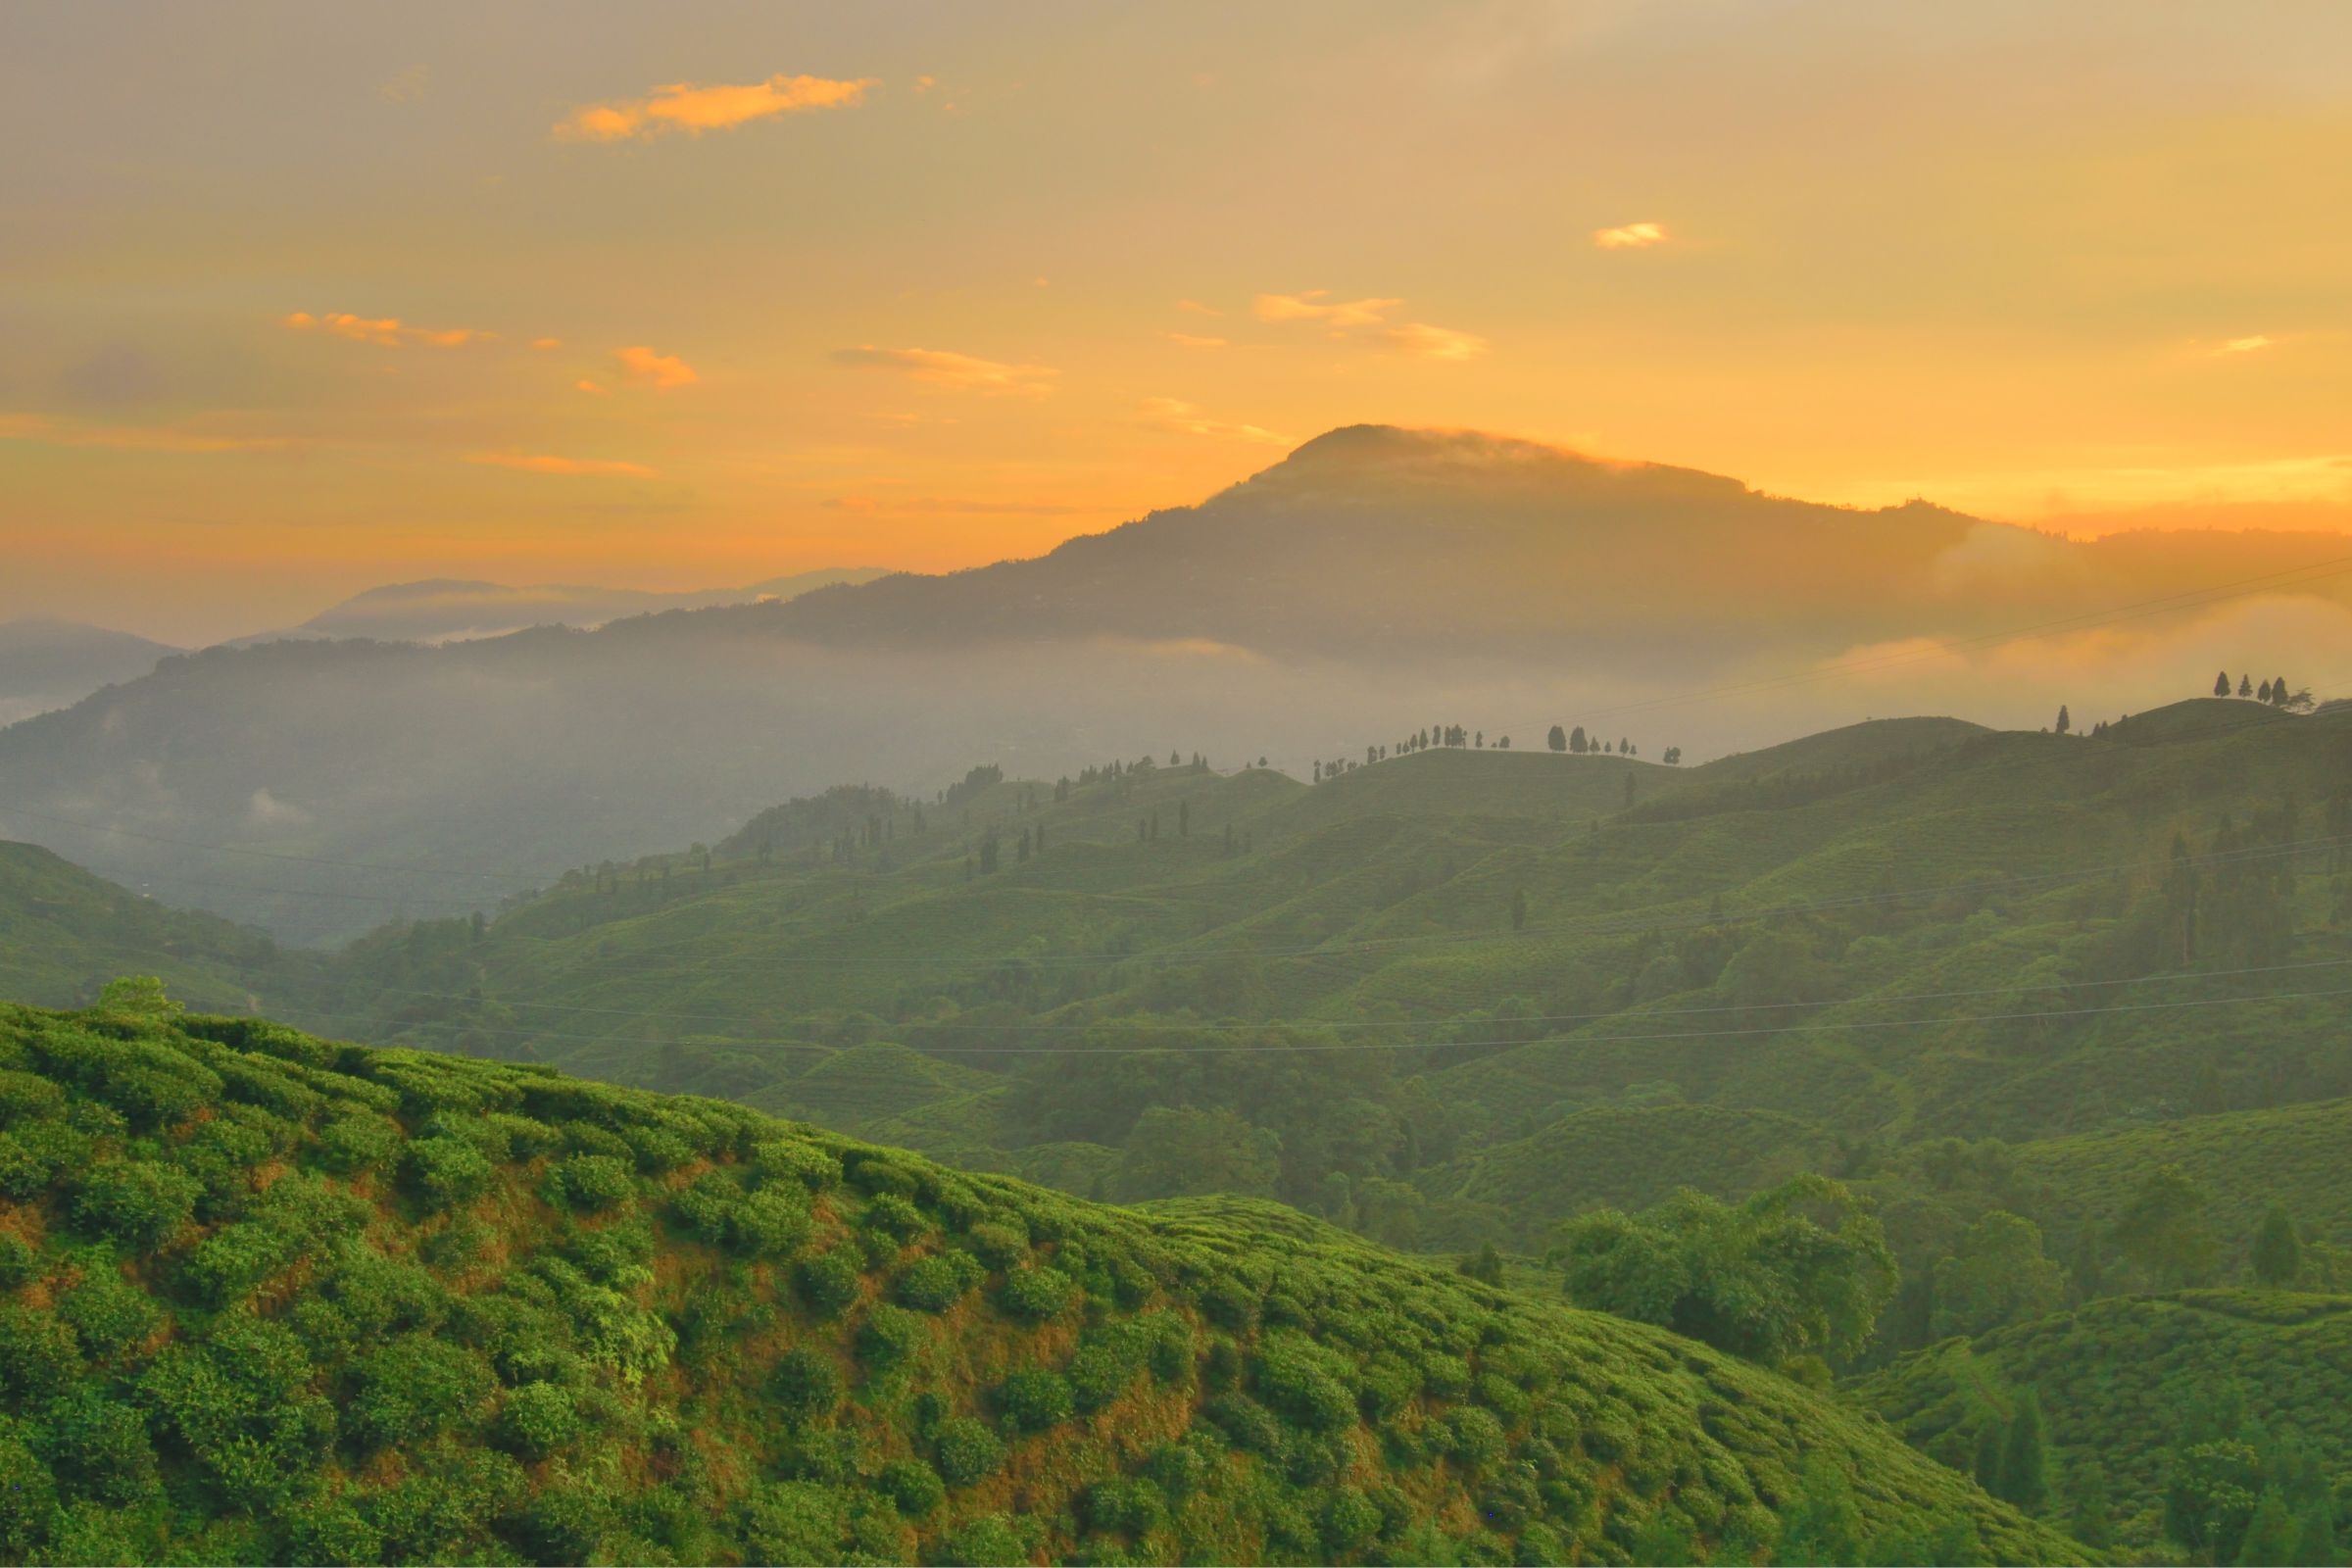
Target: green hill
64, 933
271, 1298
2127, 1380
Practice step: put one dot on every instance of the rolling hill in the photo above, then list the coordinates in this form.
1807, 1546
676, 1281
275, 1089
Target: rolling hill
266, 1297
49, 664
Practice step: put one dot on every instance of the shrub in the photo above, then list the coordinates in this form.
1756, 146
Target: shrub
1129, 1505
805, 1384
997, 1245
1098, 1373
783, 1160
1032, 1399
538, 1419
108, 1314
936, 1282
1351, 1522
1035, 1294
20, 1264
27, 1096
965, 1450
28, 1499
1477, 1438
895, 1216
795, 1521
99, 1446
1290, 1372
771, 1222
702, 1207
888, 1337
994, 1537
136, 1203
589, 1183
412, 1388
913, 1485
446, 1171
830, 1281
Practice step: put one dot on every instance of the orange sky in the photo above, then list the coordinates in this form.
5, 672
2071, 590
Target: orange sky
298, 298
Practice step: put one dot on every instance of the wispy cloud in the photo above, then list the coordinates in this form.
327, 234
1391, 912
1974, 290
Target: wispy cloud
2246, 345
1630, 236
1173, 414
547, 342
42, 430
661, 371
961, 373
1190, 341
541, 462
387, 330
592, 389
1316, 305
1424, 341
683, 106
1198, 308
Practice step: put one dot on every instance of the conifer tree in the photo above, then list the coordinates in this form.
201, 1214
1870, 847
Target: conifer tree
2025, 1457
2221, 684
2245, 685
2270, 1534
2066, 722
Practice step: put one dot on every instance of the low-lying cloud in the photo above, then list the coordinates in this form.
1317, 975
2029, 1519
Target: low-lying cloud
388, 331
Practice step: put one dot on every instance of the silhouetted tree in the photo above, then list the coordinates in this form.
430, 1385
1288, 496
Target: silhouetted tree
2066, 722
2221, 684
2262, 693
1557, 740
1576, 742
2279, 691
2245, 685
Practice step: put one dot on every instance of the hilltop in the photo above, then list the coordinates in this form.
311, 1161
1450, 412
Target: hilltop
271, 1298
47, 663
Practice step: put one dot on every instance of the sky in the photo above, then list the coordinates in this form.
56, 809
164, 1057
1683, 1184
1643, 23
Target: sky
299, 299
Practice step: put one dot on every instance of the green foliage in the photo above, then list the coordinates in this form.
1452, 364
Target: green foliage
1765, 1279
2164, 1231
2277, 1255
320, 1362
1997, 1276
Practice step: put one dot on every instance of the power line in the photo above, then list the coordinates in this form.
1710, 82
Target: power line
911, 1027
1408, 1045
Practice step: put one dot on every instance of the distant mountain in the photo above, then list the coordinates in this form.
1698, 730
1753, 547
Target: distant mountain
1374, 583
448, 610
55, 663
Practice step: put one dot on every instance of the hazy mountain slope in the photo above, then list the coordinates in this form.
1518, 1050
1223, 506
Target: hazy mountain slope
56, 664
1373, 583
269, 1297
446, 610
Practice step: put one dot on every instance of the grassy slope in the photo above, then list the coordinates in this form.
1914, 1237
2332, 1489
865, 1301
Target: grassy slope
271, 1298
64, 933
2117, 1377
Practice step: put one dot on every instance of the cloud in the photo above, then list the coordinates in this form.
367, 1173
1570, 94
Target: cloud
960, 373
661, 371
1188, 340
1629, 237
1198, 308
42, 430
547, 342
682, 106
1424, 341
585, 385
407, 88
2245, 345
387, 330
1313, 305
925, 84
1172, 414
537, 463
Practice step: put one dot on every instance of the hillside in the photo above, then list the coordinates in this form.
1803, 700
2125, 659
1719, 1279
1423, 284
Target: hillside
1374, 580
2124, 1381
49, 664
273, 1298
443, 610
64, 933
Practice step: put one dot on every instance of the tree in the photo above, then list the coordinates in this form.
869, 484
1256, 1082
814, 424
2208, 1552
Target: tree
1996, 1276
2025, 1457
2278, 1253
1799, 1270
1557, 740
2221, 684
2163, 1229
2262, 693
2245, 685
2270, 1534
2209, 1497
1485, 1265
1182, 1153
2278, 697
1822, 1524
1576, 742
2089, 1515
2066, 721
